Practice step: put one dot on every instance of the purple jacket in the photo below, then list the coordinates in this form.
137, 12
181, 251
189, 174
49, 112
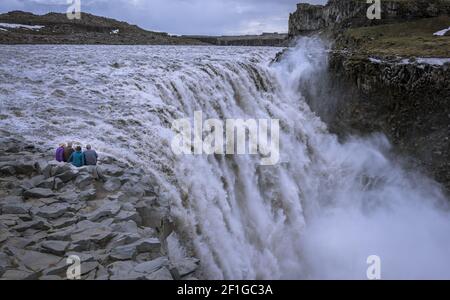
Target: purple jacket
60, 154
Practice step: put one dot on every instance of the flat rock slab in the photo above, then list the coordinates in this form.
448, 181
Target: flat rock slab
37, 261
55, 247
53, 211
38, 193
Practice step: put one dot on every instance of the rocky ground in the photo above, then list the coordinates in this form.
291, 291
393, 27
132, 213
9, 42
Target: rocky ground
109, 215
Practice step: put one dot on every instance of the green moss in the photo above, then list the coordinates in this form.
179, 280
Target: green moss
412, 38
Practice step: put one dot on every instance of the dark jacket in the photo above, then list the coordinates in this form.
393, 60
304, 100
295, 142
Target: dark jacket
77, 159
90, 157
67, 153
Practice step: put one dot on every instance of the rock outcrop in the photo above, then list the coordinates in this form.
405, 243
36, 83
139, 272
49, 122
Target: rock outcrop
50, 211
353, 13
390, 75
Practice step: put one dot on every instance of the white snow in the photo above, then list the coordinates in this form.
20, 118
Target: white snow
17, 26
435, 61
115, 31
375, 60
442, 32
3, 29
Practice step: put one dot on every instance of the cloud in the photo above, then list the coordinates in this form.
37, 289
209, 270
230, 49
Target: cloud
181, 16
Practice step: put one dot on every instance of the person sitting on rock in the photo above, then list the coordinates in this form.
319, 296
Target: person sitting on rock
68, 152
60, 153
90, 156
77, 157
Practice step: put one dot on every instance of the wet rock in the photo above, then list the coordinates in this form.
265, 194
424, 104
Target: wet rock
9, 220
187, 266
151, 216
16, 208
152, 266
129, 252
83, 181
126, 227
88, 195
5, 262
38, 193
64, 222
7, 171
110, 170
58, 168
50, 278
112, 184
58, 184
48, 183
124, 270
37, 261
161, 274
124, 216
106, 211
53, 211
91, 239
67, 175
20, 275
36, 224
55, 247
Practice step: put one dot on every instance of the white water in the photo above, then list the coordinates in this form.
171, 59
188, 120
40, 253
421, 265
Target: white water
318, 214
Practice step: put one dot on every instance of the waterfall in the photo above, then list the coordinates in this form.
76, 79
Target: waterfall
318, 213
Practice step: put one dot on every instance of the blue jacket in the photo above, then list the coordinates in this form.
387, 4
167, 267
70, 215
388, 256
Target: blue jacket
77, 159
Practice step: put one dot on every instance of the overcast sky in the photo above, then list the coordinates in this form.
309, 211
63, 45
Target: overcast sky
180, 16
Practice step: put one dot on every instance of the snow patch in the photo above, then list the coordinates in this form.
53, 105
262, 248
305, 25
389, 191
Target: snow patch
18, 26
442, 32
115, 31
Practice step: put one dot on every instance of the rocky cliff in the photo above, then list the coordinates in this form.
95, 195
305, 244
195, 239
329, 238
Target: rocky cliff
390, 75
353, 13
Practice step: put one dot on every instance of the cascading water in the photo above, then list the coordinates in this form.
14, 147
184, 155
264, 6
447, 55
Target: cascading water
319, 213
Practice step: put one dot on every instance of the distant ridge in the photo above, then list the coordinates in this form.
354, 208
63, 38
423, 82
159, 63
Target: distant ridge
90, 29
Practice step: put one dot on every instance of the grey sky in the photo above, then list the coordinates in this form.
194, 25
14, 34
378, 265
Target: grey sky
180, 16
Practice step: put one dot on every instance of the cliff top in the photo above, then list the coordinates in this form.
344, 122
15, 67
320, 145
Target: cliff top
412, 38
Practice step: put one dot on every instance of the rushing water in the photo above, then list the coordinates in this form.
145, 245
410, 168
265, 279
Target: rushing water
319, 213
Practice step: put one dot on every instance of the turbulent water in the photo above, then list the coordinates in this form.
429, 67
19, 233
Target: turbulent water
319, 213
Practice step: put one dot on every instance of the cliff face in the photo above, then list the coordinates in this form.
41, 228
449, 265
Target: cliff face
353, 13
390, 75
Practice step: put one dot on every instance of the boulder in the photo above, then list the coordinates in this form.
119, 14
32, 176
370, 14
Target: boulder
38, 193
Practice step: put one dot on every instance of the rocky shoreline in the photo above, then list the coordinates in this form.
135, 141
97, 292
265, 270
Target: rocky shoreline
110, 216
